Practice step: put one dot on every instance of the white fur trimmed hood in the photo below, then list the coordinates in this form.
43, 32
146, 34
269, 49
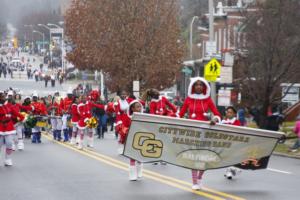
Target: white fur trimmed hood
191, 93
130, 104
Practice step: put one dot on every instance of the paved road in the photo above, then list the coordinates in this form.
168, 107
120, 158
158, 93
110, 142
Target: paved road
54, 170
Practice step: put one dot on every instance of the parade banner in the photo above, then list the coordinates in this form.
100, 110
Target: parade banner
198, 145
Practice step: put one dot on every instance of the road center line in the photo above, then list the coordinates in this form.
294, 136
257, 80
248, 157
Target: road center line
149, 174
279, 171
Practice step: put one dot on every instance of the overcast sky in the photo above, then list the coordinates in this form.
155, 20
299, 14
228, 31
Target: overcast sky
12, 10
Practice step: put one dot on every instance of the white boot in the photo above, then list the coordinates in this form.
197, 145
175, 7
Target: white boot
77, 138
196, 187
90, 142
132, 173
13, 146
20, 145
228, 174
120, 149
139, 167
73, 141
8, 162
80, 144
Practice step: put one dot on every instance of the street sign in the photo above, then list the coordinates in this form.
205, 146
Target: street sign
211, 47
224, 98
56, 30
187, 70
292, 95
226, 75
228, 59
212, 70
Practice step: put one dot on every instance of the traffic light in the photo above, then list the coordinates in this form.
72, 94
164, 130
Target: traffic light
15, 42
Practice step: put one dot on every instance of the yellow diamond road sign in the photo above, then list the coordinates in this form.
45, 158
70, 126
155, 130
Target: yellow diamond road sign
212, 70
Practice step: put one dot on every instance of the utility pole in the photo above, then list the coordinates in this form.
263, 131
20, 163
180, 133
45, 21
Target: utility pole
212, 39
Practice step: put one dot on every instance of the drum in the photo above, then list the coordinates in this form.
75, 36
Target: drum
41, 122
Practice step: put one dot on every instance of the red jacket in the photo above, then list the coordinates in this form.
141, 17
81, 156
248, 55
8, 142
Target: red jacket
39, 108
234, 121
55, 109
198, 105
162, 106
18, 108
74, 113
65, 105
123, 128
6, 119
121, 110
85, 112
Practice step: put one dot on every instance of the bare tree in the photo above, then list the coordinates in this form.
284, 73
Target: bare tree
273, 53
129, 40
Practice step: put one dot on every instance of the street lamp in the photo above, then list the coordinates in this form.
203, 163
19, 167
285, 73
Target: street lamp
62, 45
191, 36
31, 27
35, 31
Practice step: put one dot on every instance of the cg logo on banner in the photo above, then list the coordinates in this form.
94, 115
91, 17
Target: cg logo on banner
147, 144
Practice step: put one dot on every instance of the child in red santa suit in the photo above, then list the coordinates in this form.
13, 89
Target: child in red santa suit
135, 167
198, 104
39, 109
160, 105
7, 129
74, 120
15, 104
121, 108
230, 119
84, 109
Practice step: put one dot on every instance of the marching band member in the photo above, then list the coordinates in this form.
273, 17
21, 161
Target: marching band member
160, 105
56, 121
15, 104
135, 167
197, 104
65, 106
27, 102
7, 129
85, 111
231, 119
40, 110
74, 120
121, 114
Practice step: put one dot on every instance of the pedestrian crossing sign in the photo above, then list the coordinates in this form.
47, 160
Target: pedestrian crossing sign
212, 70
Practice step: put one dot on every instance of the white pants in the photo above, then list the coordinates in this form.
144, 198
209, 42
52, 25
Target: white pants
56, 123
64, 121
19, 128
7, 140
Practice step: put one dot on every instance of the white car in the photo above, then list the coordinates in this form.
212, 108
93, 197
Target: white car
168, 94
16, 64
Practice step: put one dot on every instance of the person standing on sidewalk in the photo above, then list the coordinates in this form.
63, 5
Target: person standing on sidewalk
296, 130
52, 77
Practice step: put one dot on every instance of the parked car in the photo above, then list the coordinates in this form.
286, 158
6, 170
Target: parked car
168, 94
16, 64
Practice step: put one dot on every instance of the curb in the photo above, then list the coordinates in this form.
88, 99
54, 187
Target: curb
286, 155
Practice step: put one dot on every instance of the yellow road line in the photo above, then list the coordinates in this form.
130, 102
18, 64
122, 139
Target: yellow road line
167, 177
149, 174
